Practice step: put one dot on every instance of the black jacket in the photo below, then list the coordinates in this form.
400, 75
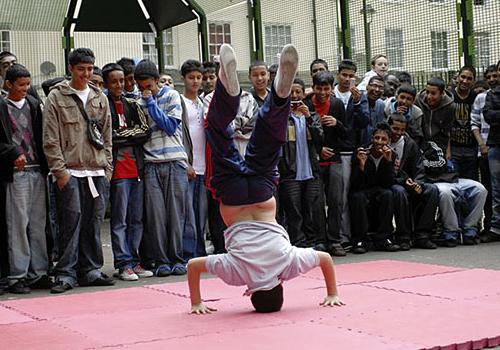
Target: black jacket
411, 165
332, 135
287, 165
371, 177
8, 151
135, 135
491, 113
437, 123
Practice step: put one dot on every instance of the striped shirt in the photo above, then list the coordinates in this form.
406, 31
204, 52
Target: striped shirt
477, 118
164, 112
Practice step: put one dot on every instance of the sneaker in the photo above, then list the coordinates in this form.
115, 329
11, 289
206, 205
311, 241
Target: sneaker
102, 281
404, 246
489, 237
179, 269
43, 282
163, 271
128, 275
228, 75
320, 247
424, 244
386, 246
468, 240
142, 272
347, 246
19, 288
449, 243
336, 250
60, 287
359, 248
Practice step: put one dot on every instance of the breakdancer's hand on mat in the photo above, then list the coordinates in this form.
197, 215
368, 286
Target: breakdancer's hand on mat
201, 309
196, 267
326, 264
332, 300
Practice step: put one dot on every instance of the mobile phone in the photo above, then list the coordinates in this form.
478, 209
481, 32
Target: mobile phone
353, 83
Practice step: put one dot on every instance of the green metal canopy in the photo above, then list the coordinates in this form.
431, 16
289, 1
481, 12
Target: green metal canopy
127, 15
133, 16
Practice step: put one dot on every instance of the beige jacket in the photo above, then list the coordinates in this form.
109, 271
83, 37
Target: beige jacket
65, 140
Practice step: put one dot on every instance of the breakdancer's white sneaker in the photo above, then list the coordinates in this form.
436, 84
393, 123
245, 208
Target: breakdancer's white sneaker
287, 69
227, 73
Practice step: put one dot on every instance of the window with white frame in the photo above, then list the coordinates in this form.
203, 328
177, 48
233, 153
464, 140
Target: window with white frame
150, 52
148, 47
394, 47
439, 48
4, 40
168, 47
482, 48
354, 47
218, 33
276, 37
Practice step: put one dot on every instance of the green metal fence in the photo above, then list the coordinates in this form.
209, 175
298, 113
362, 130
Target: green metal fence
423, 37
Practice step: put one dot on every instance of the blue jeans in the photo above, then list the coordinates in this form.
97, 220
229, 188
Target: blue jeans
26, 219
238, 181
338, 183
193, 239
494, 161
127, 197
165, 200
80, 217
461, 205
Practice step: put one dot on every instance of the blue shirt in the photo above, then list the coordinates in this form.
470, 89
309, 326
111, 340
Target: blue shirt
303, 162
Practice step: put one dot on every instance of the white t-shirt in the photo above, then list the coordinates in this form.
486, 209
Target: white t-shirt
197, 132
399, 147
344, 96
19, 104
83, 94
259, 255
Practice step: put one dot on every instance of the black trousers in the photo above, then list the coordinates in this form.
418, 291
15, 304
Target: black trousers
415, 213
216, 225
371, 209
484, 169
299, 200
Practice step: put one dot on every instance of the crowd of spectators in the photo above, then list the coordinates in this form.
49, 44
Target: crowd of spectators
370, 163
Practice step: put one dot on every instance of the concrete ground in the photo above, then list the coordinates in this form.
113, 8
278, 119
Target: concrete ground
480, 256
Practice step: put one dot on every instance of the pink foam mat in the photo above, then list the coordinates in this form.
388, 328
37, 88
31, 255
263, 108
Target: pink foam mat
302, 334
459, 285
43, 335
382, 270
87, 303
394, 305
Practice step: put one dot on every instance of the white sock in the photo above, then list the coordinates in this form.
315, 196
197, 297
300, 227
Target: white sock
227, 73
289, 62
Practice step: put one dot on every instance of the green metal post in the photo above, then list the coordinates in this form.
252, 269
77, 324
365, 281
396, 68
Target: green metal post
202, 29
67, 40
160, 50
255, 25
315, 28
368, 50
466, 40
345, 29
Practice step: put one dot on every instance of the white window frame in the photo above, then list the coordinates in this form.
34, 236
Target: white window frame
5, 45
148, 41
394, 47
276, 36
217, 38
482, 48
437, 48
